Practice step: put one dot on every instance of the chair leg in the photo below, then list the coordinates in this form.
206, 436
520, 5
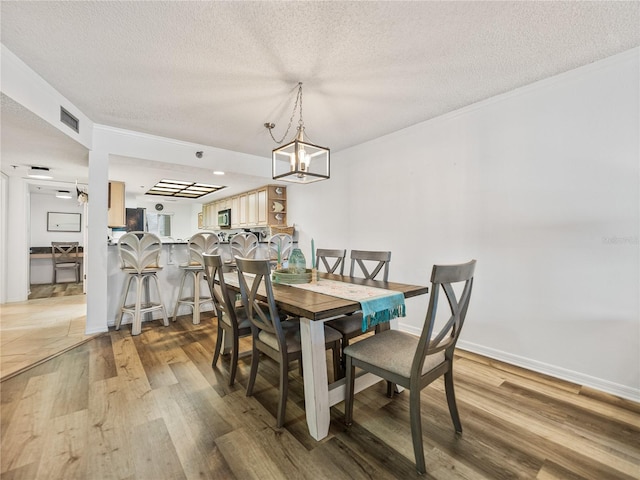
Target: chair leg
165, 319
234, 360
416, 429
196, 297
390, 389
216, 352
284, 391
185, 273
349, 388
451, 400
136, 327
123, 300
254, 370
338, 371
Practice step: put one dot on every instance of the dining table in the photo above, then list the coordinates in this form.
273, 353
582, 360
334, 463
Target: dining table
313, 309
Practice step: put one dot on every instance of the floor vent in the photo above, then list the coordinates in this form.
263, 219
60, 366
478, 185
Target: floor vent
69, 120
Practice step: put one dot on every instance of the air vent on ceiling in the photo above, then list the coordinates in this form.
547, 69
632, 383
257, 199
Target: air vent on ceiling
69, 120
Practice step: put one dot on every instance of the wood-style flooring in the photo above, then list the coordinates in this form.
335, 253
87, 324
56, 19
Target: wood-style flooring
34, 330
50, 290
151, 407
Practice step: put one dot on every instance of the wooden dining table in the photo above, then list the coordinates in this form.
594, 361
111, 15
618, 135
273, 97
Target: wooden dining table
314, 309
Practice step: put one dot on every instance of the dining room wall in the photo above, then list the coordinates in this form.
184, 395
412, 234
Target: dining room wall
540, 185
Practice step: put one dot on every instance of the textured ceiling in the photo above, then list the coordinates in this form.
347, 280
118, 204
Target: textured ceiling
214, 72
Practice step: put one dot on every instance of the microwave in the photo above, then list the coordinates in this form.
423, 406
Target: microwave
224, 218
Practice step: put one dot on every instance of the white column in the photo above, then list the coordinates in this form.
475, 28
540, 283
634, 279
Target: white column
95, 252
17, 246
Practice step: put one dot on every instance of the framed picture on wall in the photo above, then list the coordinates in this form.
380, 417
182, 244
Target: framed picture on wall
63, 222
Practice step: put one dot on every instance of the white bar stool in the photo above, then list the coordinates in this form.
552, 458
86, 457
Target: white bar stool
199, 244
140, 258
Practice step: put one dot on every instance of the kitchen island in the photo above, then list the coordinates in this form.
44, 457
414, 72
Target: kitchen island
173, 254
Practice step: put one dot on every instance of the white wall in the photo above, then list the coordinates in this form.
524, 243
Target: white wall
41, 204
540, 185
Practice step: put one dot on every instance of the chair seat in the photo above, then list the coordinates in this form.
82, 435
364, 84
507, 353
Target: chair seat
292, 336
191, 266
393, 349
347, 324
241, 315
144, 271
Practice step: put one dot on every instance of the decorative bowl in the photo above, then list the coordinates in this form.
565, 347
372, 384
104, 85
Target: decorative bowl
283, 276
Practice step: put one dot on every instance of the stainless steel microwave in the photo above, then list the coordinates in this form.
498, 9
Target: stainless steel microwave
224, 218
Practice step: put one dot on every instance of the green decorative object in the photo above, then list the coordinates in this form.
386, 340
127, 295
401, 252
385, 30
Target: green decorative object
285, 276
297, 262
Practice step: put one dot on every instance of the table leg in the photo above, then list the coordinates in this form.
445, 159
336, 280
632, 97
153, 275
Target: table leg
316, 387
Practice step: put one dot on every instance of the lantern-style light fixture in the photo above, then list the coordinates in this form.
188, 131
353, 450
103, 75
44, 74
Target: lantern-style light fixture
298, 161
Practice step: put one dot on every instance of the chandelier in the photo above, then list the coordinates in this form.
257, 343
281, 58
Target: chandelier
298, 161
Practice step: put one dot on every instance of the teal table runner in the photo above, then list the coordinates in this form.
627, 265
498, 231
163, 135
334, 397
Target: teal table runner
378, 305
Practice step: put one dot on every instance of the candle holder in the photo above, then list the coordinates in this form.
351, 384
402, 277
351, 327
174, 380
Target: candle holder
314, 275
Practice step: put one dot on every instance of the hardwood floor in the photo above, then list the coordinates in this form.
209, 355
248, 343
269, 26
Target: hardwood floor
49, 290
34, 330
151, 407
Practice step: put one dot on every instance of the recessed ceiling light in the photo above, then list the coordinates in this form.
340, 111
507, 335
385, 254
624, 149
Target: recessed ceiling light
218, 172
63, 194
40, 172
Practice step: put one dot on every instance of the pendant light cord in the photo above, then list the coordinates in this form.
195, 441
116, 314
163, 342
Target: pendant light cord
293, 113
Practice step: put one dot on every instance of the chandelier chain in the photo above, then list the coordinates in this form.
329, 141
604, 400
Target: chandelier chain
293, 113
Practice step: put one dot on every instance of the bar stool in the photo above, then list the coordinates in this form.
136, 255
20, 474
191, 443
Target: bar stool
140, 259
199, 244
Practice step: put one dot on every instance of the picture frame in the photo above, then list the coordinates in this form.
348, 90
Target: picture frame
64, 222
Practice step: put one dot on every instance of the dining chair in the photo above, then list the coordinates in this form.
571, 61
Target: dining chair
369, 264
139, 254
232, 322
331, 260
280, 242
414, 362
65, 256
277, 339
244, 244
198, 244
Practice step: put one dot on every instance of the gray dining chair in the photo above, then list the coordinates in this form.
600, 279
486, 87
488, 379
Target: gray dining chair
414, 362
277, 339
331, 260
65, 256
365, 264
232, 321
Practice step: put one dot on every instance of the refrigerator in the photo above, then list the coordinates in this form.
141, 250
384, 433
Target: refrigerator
135, 220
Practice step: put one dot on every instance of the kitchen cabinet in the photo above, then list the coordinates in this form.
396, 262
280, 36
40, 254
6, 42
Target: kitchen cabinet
257, 208
116, 213
262, 206
235, 211
252, 208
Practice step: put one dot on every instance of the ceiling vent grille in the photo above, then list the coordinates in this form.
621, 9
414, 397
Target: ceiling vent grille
69, 120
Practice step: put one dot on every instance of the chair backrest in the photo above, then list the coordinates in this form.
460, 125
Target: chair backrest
65, 252
331, 260
444, 277
139, 251
244, 245
365, 260
282, 242
223, 302
255, 275
201, 243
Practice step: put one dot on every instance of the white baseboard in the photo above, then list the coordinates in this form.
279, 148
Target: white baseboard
622, 391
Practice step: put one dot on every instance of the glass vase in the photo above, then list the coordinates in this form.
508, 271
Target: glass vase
297, 262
